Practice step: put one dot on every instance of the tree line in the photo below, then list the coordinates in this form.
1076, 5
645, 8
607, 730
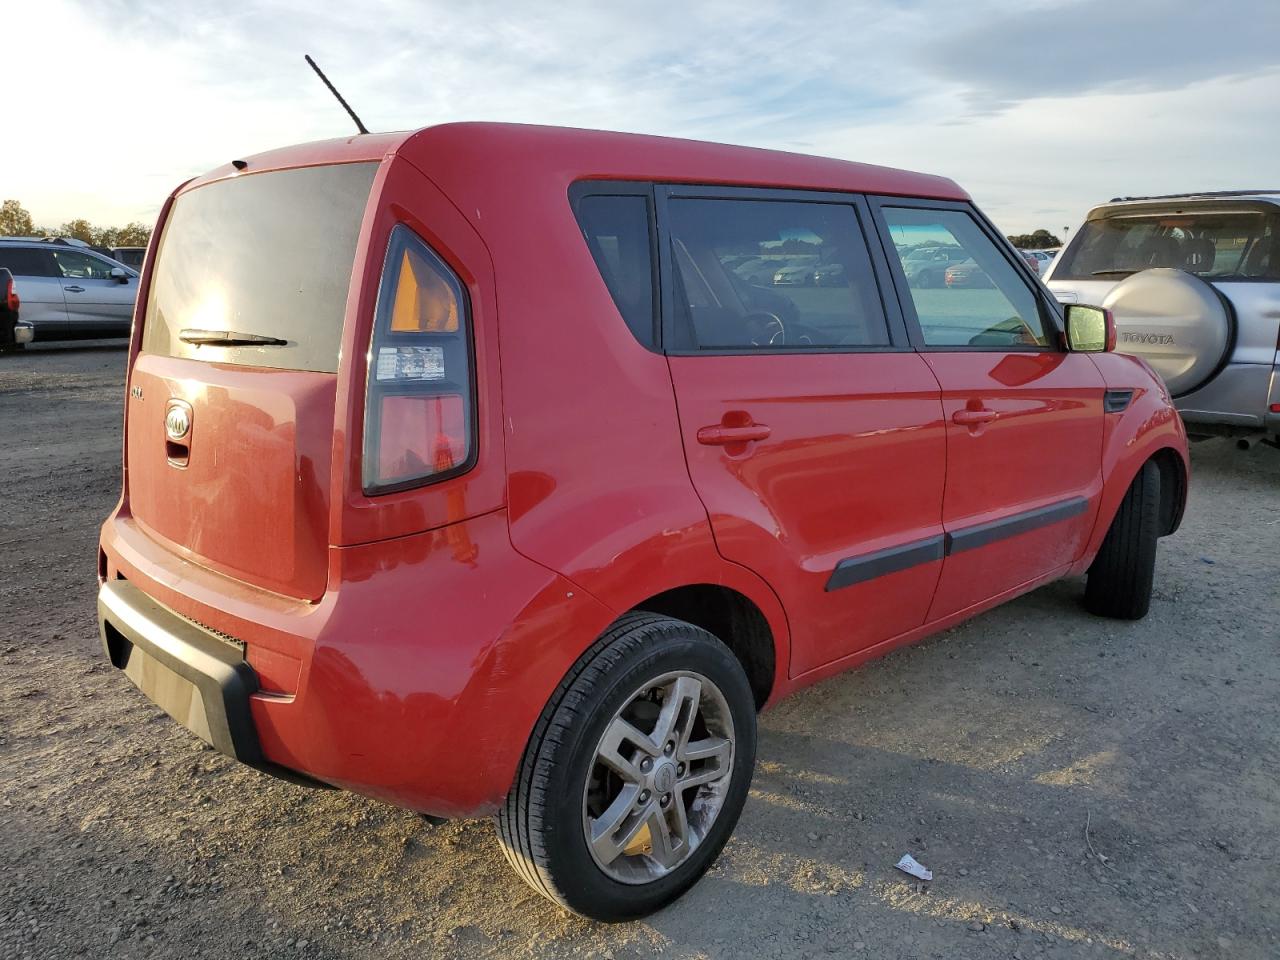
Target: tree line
15, 221
1040, 240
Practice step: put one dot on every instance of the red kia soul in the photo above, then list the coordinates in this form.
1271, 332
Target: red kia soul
511, 470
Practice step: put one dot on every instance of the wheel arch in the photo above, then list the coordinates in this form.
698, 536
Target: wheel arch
734, 619
1174, 477
1173, 488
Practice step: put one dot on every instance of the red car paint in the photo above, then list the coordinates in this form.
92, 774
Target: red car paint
386, 630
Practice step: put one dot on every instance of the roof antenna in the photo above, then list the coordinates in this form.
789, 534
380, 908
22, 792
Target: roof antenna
345, 106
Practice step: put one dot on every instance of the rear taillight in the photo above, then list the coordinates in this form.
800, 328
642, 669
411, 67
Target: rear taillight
419, 416
11, 301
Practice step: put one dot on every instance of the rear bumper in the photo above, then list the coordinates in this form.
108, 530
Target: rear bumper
23, 333
1235, 402
192, 674
412, 651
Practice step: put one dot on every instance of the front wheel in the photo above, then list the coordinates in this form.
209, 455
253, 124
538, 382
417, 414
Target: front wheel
636, 772
1121, 576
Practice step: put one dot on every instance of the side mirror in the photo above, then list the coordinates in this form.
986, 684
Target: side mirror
1090, 329
118, 275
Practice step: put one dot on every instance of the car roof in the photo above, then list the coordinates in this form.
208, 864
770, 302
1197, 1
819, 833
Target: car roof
1208, 194
71, 242
1179, 201
485, 151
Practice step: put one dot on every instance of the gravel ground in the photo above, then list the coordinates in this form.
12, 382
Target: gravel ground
1000, 754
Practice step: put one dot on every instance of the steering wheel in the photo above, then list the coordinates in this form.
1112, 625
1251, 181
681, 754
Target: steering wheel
766, 329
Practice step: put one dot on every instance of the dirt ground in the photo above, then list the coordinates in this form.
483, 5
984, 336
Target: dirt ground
999, 754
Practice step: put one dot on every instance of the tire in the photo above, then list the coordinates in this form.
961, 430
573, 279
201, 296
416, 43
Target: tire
7, 339
1120, 578
543, 826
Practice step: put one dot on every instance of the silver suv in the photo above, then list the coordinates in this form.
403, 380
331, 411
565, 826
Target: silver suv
1194, 283
68, 291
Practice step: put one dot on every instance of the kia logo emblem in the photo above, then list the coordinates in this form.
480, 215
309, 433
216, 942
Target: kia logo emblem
177, 420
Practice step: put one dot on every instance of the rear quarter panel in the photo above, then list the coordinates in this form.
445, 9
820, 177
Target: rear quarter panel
598, 490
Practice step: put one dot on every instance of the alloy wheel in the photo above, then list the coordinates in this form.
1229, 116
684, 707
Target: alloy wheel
659, 777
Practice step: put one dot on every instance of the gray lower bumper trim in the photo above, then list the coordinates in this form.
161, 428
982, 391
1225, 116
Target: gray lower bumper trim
201, 681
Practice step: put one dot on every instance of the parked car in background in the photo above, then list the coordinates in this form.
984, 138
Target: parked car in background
548, 565
795, 272
756, 271
968, 274
130, 256
1032, 261
69, 291
1194, 283
14, 334
927, 266
830, 275
1045, 257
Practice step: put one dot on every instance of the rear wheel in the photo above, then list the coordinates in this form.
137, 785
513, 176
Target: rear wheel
7, 338
636, 772
1120, 578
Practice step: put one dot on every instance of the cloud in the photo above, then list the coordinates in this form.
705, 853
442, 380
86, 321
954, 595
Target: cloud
1092, 46
1034, 107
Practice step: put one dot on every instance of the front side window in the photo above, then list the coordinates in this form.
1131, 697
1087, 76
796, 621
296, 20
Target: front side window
616, 228
81, 266
973, 296
772, 275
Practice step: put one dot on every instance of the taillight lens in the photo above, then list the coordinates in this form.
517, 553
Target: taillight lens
419, 417
11, 301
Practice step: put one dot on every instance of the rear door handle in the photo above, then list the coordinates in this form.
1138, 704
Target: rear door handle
972, 418
74, 289
720, 435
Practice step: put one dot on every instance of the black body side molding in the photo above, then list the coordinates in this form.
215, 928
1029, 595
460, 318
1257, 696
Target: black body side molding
853, 570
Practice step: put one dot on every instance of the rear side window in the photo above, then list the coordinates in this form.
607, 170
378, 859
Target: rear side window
268, 254
772, 275
26, 262
973, 296
617, 231
1214, 244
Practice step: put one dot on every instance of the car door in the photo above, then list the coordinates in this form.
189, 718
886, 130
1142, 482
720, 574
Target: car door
1024, 417
96, 301
39, 288
813, 433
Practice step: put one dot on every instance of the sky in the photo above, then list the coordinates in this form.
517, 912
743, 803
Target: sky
1039, 108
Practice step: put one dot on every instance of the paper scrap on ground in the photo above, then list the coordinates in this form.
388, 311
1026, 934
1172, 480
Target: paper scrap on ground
909, 864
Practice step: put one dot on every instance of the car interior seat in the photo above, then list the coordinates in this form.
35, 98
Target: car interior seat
1198, 255
1162, 251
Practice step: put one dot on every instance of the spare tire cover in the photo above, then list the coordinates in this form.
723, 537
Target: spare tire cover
1177, 322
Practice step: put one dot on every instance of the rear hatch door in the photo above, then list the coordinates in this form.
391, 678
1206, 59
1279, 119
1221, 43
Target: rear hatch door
230, 414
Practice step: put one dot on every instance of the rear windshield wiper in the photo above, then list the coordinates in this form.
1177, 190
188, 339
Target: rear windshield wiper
229, 338
1105, 273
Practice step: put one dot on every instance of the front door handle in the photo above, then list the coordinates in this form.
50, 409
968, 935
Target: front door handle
74, 289
973, 418
720, 435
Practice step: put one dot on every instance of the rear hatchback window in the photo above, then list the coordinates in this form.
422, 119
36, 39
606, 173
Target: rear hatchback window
268, 255
1214, 244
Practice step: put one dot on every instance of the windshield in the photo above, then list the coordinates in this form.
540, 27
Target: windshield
268, 256
1214, 244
